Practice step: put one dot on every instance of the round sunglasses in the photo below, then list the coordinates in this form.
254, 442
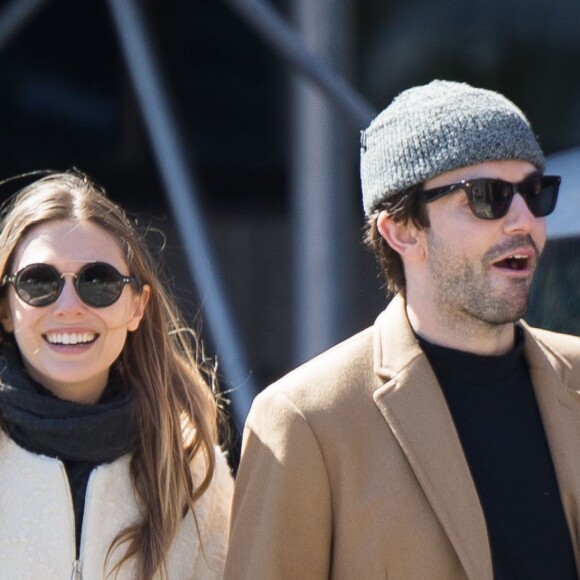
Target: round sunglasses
490, 199
97, 284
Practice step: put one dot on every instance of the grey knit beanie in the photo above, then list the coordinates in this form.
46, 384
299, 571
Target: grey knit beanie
438, 127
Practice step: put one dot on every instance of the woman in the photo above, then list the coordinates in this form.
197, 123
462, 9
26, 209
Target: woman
109, 465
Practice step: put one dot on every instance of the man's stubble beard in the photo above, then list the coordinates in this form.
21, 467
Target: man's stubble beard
463, 288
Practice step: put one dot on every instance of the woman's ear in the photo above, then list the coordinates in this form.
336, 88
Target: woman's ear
6, 319
140, 305
403, 237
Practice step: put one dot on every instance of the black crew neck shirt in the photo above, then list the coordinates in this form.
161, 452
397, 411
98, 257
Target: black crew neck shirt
496, 415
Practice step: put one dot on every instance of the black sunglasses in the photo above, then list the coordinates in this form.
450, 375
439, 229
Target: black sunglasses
97, 284
490, 199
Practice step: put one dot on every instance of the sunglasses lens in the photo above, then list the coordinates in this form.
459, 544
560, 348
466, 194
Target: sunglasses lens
541, 195
38, 285
489, 199
99, 285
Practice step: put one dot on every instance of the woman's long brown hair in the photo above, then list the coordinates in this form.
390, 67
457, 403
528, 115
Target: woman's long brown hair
161, 363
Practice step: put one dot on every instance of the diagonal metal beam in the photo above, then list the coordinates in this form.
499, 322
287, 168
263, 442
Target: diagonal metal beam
167, 144
289, 44
14, 16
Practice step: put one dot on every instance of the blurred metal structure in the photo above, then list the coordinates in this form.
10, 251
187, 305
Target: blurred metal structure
283, 39
324, 150
14, 16
167, 145
321, 163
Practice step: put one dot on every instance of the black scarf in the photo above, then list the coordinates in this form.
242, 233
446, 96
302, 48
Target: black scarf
40, 422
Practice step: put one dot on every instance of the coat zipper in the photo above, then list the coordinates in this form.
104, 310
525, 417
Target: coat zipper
77, 571
84, 524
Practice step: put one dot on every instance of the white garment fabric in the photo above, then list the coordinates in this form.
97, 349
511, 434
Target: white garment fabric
37, 534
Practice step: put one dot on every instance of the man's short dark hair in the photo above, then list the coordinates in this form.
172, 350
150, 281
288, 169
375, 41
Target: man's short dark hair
405, 207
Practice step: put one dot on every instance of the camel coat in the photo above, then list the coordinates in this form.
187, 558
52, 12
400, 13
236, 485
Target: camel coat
352, 467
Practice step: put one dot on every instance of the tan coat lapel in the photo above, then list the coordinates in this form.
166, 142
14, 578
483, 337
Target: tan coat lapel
414, 407
559, 404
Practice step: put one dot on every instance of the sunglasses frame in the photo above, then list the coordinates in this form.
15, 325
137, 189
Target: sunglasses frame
60, 278
546, 181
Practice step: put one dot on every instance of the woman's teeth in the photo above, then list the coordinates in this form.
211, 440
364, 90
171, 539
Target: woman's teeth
70, 337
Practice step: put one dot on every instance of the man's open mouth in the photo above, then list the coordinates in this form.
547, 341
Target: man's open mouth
515, 262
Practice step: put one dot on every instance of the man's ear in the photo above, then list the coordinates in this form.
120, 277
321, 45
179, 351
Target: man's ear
405, 238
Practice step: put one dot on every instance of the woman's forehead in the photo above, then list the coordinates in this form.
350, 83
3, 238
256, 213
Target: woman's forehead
68, 241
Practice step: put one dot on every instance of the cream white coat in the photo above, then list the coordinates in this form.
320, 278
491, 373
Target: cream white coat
37, 533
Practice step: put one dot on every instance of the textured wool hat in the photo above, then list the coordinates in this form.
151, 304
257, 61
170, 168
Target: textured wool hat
438, 127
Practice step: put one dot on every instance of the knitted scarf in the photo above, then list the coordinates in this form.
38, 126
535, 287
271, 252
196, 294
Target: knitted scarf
40, 422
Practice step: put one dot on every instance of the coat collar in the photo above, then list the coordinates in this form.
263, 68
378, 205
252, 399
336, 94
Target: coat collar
412, 404
414, 407
559, 404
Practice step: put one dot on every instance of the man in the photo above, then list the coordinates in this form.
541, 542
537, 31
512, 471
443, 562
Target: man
443, 443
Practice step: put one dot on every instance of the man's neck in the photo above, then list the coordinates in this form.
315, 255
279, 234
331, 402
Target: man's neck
462, 332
